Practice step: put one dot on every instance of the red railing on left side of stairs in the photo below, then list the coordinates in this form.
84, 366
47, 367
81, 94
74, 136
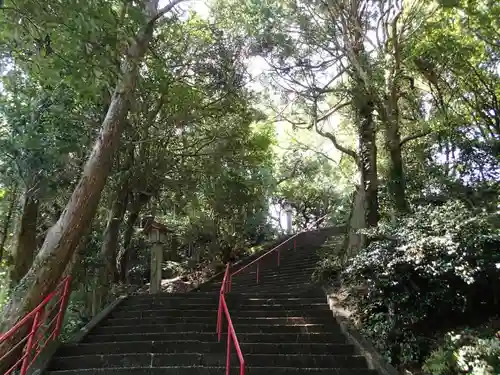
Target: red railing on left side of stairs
231, 334
38, 328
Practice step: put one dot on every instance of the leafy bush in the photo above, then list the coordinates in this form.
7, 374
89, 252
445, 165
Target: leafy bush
466, 352
331, 264
431, 272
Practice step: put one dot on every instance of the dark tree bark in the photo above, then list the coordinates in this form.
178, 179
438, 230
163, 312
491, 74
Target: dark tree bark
109, 249
396, 182
124, 255
364, 106
391, 120
110, 243
26, 238
368, 161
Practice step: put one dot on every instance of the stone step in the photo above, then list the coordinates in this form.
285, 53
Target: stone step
274, 274
285, 263
240, 328
196, 370
292, 283
212, 319
275, 280
313, 291
285, 267
213, 313
265, 284
207, 336
204, 359
231, 298
204, 347
269, 288
232, 305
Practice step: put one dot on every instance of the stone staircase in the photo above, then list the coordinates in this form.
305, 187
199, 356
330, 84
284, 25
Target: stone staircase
283, 324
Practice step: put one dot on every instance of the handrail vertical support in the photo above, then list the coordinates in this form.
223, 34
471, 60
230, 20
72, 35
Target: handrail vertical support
219, 320
29, 344
228, 358
294, 244
62, 307
279, 256
258, 268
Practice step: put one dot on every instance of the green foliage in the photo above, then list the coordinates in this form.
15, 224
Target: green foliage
311, 185
4, 283
331, 264
468, 352
432, 270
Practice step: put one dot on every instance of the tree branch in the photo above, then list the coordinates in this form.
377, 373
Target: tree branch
414, 136
292, 175
329, 135
167, 8
336, 144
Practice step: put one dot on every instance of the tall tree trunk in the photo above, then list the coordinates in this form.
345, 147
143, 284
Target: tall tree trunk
25, 243
8, 219
110, 243
368, 161
65, 235
124, 255
364, 107
396, 183
391, 119
109, 249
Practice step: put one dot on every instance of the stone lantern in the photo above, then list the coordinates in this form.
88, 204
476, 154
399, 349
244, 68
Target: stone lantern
158, 234
288, 216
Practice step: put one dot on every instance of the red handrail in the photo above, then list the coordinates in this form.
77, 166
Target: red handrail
226, 287
39, 323
231, 334
276, 248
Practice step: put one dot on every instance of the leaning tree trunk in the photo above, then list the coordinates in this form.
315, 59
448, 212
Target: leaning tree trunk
63, 238
25, 243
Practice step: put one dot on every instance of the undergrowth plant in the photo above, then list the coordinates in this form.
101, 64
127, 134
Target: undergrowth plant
433, 271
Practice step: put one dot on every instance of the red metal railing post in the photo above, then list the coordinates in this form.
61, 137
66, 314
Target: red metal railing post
258, 267
29, 344
228, 359
294, 244
62, 307
219, 319
279, 256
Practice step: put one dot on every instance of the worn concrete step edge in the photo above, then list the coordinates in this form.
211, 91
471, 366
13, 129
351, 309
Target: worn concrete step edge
203, 359
176, 346
206, 336
233, 306
209, 327
197, 370
243, 313
327, 319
